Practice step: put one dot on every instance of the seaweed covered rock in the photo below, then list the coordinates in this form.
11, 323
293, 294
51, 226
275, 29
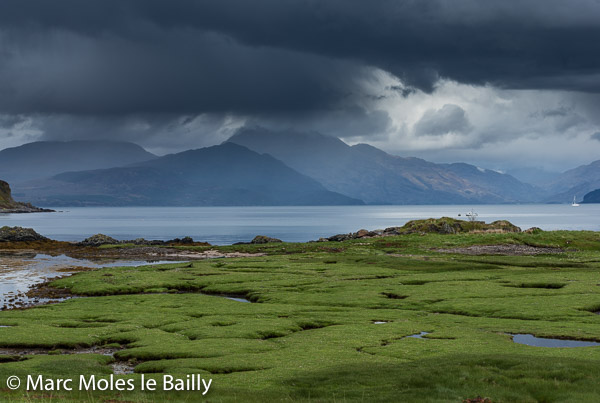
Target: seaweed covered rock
101, 239
261, 239
20, 234
98, 240
186, 240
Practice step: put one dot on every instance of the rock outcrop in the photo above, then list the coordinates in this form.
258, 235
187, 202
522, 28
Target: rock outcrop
261, 239
20, 234
444, 225
101, 239
8, 205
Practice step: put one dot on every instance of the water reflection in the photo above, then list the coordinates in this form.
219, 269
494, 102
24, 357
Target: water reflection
531, 340
418, 336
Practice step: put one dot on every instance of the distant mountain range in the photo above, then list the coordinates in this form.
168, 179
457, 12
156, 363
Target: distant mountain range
46, 158
224, 175
367, 173
575, 182
533, 175
262, 167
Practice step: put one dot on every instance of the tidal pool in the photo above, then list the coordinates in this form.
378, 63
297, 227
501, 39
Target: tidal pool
531, 340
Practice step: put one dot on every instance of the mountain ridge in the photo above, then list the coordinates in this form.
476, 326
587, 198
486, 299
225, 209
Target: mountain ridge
577, 182
46, 158
223, 175
370, 174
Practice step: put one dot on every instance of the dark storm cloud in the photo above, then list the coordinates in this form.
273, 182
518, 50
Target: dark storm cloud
273, 56
436, 122
179, 71
349, 122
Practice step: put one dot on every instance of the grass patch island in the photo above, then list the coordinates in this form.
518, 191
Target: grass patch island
328, 321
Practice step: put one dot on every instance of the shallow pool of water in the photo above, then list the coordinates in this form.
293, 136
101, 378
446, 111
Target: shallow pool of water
238, 299
20, 272
531, 340
418, 336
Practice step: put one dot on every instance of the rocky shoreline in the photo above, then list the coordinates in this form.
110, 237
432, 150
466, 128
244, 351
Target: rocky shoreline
10, 206
26, 208
442, 226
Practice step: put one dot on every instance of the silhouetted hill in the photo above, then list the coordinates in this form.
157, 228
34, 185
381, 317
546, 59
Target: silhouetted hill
372, 175
592, 197
224, 175
46, 158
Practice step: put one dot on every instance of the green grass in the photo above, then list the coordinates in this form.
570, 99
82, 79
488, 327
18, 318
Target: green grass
310, 335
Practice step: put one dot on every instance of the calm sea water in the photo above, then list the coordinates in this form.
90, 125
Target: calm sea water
226, 225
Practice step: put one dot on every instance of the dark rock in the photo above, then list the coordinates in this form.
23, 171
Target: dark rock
99, 240
391, 231
185, 240
19, 234
8, 205
340, 237
261, 239
361, 233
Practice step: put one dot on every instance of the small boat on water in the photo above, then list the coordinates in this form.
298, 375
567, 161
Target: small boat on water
574, 204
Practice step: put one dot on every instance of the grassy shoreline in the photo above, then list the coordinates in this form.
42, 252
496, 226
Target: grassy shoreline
310, 333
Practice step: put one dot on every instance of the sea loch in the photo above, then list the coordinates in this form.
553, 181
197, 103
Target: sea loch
227, 225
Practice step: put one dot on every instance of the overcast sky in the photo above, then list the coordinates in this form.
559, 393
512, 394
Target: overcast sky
501, 84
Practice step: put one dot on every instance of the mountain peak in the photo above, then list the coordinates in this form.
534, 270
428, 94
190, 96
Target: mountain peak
370, 174
46, 158
223, 175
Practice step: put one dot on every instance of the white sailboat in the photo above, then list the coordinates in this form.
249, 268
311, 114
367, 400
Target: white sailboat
574, 204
